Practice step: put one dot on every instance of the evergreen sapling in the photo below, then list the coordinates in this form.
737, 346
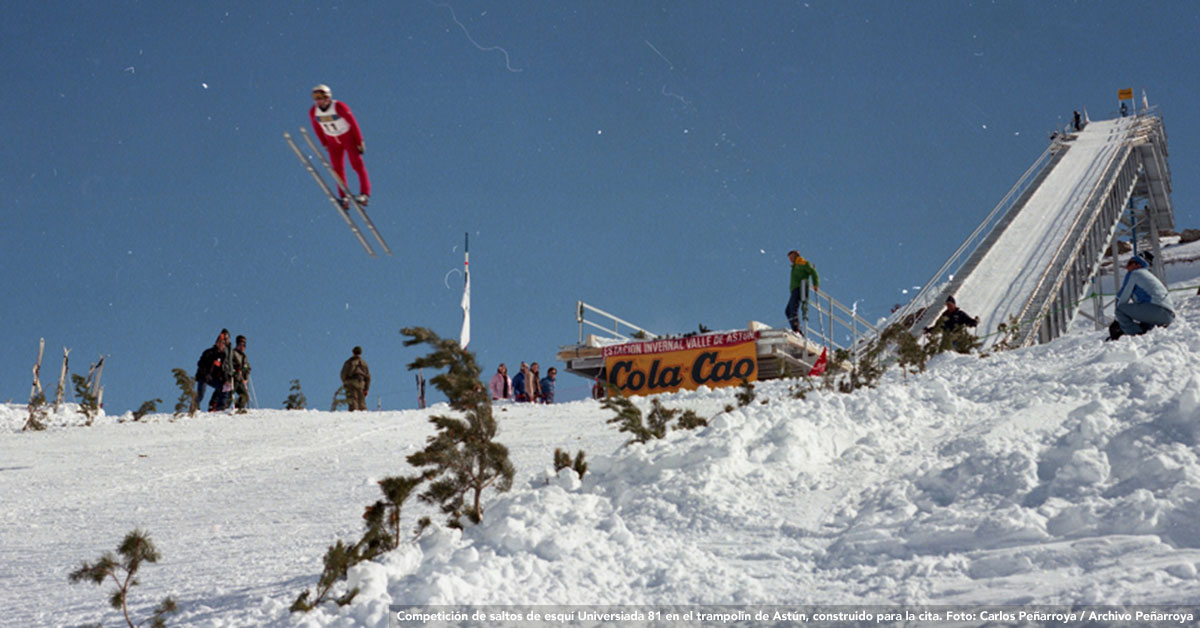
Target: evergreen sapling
340, 400
87, 401
295, 400
186, 404
146, 408
745, 395
462, 459
562, 460
382, 534
629, 419
37, 414
134, 550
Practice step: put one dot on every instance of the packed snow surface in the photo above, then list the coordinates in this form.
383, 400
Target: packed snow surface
1066, 473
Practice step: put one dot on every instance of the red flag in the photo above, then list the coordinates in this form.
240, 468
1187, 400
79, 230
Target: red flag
819, 367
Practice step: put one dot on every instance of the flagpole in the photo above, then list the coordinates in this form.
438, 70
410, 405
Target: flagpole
465, 338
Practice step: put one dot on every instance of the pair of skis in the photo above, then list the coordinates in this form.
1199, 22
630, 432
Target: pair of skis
342, 211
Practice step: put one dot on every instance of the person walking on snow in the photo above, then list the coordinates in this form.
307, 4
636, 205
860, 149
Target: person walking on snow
339, 133
1143, 302
803, 273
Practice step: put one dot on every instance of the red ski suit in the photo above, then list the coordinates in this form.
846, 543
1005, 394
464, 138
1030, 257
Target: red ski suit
338, 131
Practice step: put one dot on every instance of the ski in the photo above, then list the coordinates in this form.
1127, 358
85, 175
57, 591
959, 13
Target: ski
308, 165
362, 213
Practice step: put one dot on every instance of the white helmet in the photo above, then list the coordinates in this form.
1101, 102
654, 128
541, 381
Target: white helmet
323, 89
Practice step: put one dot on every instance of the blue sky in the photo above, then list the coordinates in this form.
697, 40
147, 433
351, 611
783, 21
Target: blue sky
654, 159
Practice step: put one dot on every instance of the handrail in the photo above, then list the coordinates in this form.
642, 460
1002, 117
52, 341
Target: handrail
977, 237
832, 316
827, 316
1053, 275
616, 322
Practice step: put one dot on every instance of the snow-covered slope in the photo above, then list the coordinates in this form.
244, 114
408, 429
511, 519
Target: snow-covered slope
1064, 473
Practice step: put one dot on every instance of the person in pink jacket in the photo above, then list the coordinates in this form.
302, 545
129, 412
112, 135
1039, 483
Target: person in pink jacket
339, 133
500, 385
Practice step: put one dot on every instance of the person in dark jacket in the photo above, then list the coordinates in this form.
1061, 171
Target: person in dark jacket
519, 389
547, 385
356, 377
952, 318
215, 369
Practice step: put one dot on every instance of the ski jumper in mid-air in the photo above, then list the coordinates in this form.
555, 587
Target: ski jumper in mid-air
339, 133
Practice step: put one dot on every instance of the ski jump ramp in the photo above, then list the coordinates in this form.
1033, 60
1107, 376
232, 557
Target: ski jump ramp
1036, 257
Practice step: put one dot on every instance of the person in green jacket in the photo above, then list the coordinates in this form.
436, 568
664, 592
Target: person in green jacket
803, 273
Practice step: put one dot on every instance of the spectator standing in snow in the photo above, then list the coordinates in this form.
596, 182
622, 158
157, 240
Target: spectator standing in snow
214, 369
241, 374
547, 385
518, 383
533, 383
1078, 122
952, 318
338, 131
803, 273
356, 378
1143, 302
500, 384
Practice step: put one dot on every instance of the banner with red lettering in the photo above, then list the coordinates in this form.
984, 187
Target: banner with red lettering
671, 364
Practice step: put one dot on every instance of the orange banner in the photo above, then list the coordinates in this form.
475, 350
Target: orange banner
657, 366
1125, 94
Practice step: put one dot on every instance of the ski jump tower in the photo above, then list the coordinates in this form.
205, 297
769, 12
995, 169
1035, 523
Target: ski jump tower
1037, 256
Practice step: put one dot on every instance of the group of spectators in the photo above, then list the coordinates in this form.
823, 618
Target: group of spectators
224, 368
526, 386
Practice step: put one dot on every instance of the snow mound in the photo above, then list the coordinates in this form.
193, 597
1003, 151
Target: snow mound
1018, 478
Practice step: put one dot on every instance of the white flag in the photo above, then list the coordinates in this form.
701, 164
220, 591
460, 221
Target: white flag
466, 302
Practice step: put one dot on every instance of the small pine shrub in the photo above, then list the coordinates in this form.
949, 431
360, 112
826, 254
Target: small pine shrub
340, 400
186, 404
1009, 333
462, 459
339, 558
689, 420
745, 395
562, 460
87, 401
134, 550
654, 425
580, 465
629, 419
396, 490
295, 400
865, 373
37, 414
382, 534
146, 408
